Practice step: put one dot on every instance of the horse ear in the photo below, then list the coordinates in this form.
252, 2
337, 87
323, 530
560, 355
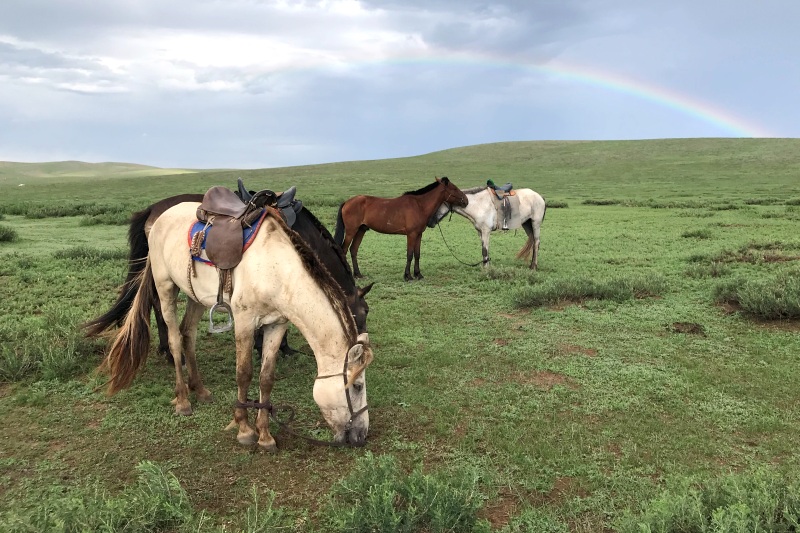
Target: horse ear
445, 180
437, 179
363, 291
355, 353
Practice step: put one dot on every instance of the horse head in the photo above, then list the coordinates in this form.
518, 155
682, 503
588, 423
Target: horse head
359, 307
453, 195
342, 398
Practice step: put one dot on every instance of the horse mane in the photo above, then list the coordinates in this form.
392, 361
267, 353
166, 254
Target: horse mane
426, 188
327, 237
473, 190
324, 279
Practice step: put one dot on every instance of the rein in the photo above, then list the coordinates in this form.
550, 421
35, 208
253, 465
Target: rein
451, 250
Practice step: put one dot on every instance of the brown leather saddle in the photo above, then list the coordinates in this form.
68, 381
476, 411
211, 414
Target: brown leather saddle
228, 215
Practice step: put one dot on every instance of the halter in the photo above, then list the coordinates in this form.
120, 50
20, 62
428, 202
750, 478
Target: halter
353, 414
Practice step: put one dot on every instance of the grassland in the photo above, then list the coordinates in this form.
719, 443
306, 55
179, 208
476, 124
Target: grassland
637, 365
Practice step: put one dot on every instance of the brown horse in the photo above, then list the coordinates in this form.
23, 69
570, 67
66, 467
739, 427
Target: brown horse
405, 215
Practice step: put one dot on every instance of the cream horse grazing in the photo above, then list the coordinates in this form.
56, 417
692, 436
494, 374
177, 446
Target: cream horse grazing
278, 280
528, 208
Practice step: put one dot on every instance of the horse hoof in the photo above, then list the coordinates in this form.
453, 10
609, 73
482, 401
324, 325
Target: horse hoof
183, 409
247, 438
205, 396
268, 447
420, 276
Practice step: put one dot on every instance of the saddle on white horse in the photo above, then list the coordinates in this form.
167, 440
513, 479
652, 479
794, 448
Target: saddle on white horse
502, 201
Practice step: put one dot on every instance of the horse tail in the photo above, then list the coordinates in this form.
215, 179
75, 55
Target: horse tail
528, 248
338, 234
130, 347
137, 257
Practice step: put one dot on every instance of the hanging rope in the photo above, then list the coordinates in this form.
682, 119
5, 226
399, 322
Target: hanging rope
451, 250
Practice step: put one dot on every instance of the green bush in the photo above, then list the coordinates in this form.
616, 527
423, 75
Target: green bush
697, 234
763, 201
48, 347
113, 218
762, 500
8, 234
91, 254
714, 269
578, 289
376, 496
557, 204
777, 297
601, 202
157, 502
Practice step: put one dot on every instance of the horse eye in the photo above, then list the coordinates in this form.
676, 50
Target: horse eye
358, 386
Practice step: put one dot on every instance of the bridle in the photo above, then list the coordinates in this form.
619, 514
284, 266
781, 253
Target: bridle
353, 414
284, 424
449, 198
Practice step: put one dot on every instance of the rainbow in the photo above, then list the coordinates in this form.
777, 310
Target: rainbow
703, 111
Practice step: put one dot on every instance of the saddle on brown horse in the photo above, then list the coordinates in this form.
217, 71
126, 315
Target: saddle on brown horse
230, 216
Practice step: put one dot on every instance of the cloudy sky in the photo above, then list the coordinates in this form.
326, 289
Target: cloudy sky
266, 83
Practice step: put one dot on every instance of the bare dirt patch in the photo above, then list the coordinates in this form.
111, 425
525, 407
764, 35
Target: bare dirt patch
500, 510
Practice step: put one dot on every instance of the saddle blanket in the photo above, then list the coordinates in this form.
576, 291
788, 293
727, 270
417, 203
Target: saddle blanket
248, 234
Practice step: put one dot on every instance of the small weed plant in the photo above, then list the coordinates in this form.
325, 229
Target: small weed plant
770, 298
377, 496
762, 500
8, 234
617, 289
157, 502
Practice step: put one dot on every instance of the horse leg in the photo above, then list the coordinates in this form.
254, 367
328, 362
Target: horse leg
163, 334
244, 375
417, 246
272, 340
168, 295
354, 245
484, 233
409, 256
532, 245
189, 334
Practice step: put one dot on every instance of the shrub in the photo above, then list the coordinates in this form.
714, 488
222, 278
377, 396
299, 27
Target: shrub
761, 500
772, 298
8, 234
557, 204
113, 218
157, 502
601, 202
91, 254
575, 290
714, 269
52, 349
763, 201
697, 234
376, 496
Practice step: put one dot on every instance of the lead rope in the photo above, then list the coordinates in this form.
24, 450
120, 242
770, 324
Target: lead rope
451, 250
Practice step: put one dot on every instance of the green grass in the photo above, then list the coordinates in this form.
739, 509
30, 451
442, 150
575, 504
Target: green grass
559, 400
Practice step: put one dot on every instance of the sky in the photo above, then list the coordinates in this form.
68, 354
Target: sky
274, 83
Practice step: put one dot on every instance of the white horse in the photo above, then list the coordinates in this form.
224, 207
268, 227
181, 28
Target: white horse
528, 208
278, 280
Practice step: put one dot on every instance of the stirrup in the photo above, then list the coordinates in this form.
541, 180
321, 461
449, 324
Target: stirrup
224, 307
